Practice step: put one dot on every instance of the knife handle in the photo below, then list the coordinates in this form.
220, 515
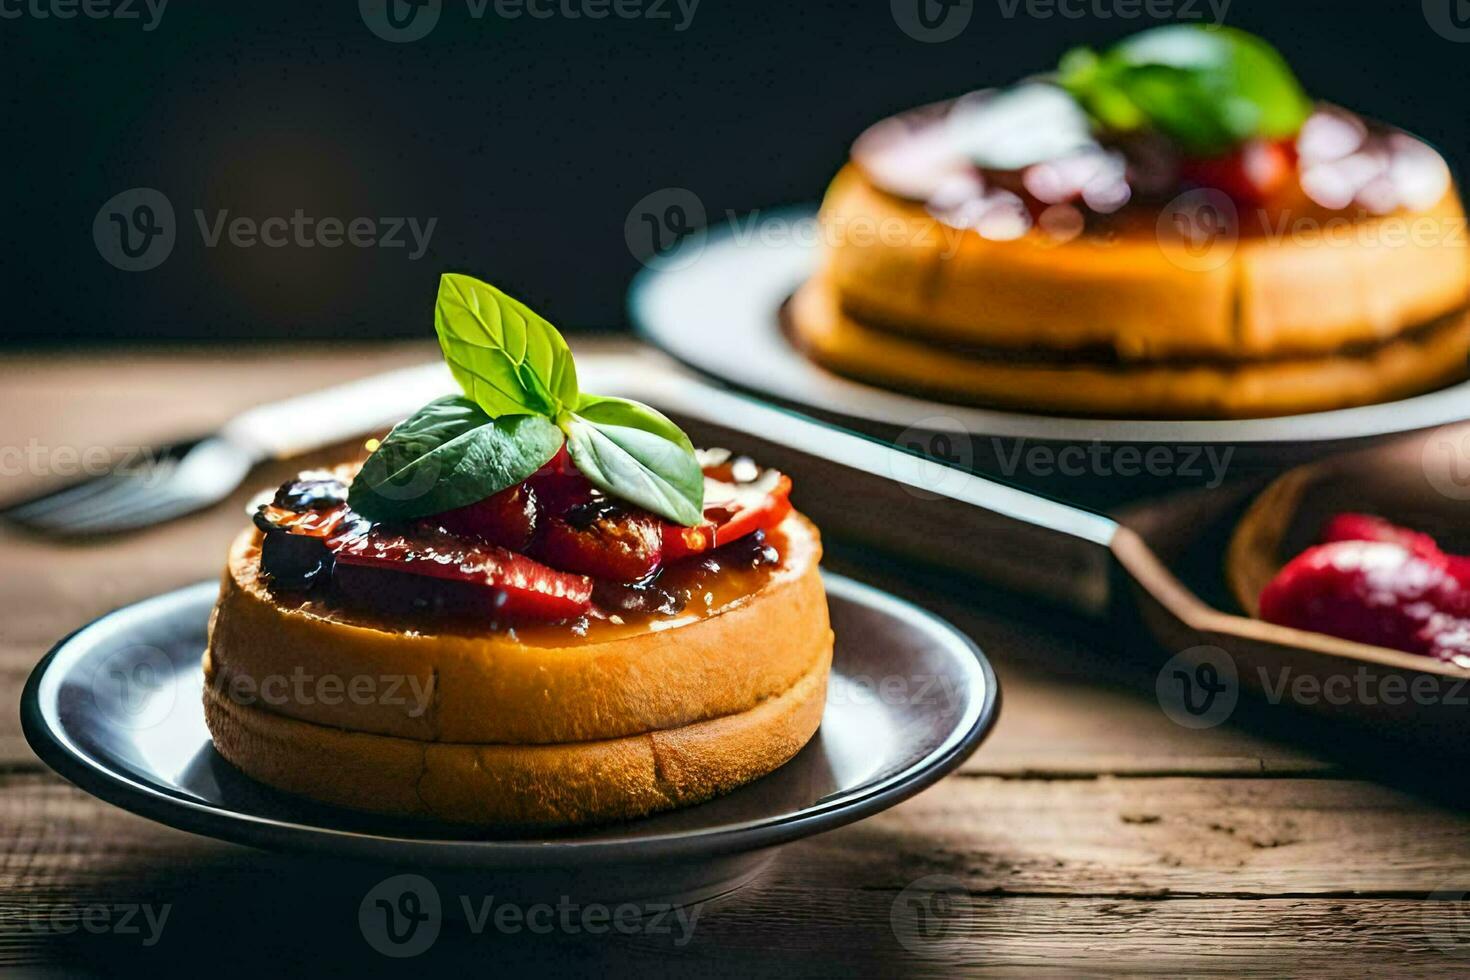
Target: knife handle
876, 494
324, 418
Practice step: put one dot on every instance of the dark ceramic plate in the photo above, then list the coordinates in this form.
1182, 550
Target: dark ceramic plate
116, 709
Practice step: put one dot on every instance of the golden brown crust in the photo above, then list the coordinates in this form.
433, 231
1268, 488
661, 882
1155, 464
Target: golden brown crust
1411, 364
1293, 291
497, 688
521, 785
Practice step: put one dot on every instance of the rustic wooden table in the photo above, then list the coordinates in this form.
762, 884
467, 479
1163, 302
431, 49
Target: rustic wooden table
1088, 835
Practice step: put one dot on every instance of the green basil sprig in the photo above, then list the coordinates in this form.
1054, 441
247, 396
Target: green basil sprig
521, 404
1208, 88
445, 456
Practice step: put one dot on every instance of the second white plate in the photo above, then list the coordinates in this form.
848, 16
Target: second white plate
713, 303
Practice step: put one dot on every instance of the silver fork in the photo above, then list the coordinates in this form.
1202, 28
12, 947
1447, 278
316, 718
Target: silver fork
187, 477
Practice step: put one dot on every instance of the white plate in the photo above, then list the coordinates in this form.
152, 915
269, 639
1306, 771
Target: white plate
713, 301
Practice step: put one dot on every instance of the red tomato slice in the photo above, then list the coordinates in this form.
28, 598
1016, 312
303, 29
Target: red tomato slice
513, 585
731, 511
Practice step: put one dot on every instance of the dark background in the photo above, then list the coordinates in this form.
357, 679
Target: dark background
529, 140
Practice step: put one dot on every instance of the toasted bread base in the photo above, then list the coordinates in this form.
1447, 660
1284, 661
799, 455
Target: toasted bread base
1428, 358
520, 786
1313, 285
284, 655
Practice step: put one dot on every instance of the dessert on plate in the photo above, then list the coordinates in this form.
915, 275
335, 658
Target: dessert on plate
1167, 228
529, 606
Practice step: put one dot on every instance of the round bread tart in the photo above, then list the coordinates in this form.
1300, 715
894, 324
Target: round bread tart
1420, 360
512, 786
535, 685
1318, 284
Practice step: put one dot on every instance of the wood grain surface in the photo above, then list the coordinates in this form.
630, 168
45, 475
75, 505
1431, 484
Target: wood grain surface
1090, 835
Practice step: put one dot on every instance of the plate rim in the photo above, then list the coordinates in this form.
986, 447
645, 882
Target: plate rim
895, 408
48, 740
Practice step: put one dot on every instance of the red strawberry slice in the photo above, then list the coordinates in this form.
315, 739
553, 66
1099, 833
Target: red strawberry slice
1377, 592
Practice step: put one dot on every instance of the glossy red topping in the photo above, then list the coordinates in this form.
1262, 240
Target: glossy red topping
509, 585
1375, 582
604, 539
506, 519
541, 550
1002, 164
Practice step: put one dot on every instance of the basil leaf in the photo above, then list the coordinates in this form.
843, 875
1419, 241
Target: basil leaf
622, 411
1208, 88
449, 454
508, 359
632, 452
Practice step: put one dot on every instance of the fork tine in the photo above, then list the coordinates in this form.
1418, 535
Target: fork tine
51, 501
123, 496
143, 512
89, 493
